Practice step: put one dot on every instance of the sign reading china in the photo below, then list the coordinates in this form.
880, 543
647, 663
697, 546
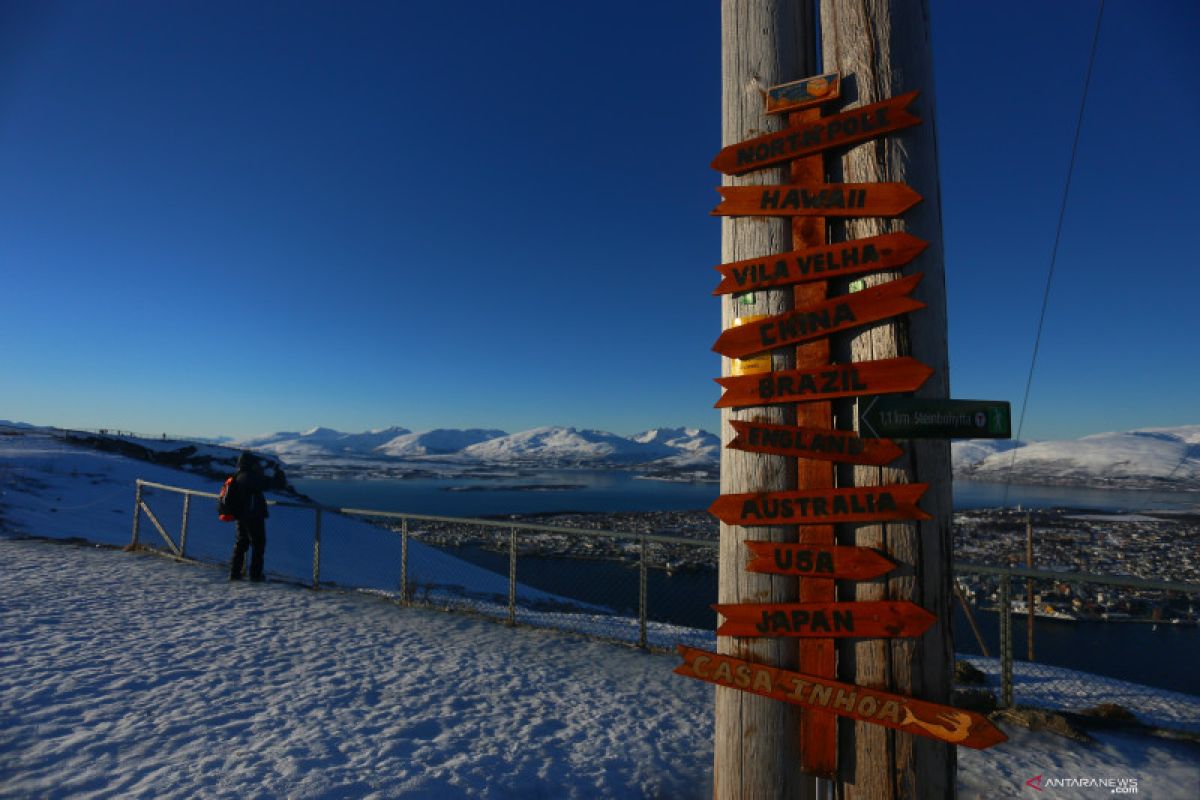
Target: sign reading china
945, 723
813, 322
849, 127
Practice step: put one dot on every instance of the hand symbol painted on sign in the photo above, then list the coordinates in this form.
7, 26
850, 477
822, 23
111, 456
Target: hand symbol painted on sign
956, 728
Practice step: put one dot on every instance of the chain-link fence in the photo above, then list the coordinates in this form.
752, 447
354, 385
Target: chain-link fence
656, 591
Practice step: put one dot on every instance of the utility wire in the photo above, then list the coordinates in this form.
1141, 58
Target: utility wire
1062, 212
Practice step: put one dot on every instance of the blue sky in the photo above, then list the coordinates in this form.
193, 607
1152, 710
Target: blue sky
234, 218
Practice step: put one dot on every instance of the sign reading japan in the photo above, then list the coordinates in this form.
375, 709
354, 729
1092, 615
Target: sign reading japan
848, 127
920, 418
855, 257
868, 619
944, 723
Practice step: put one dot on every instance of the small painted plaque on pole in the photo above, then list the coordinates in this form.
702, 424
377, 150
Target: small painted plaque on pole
802, 94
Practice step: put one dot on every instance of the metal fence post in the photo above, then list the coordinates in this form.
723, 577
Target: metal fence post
642, 605
317, 552
1006, 644
512, 576
405, 595
137, 515
183, 526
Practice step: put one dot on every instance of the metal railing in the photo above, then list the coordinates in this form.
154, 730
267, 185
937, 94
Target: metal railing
648, 589
647, 553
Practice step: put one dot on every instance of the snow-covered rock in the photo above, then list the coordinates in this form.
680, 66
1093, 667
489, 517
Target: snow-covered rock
1141, 458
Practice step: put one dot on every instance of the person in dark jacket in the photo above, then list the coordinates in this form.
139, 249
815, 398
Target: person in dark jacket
248, 486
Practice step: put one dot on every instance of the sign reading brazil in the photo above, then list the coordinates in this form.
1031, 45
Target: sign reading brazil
848, 127
822, 506
819, 444
816, 200
855, 257
868, 619
885, 376
935, 721
813, 322
817, 561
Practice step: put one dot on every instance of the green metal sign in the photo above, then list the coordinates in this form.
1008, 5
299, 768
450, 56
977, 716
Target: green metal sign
890, 417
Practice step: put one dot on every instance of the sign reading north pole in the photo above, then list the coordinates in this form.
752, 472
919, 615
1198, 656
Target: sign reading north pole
849, 127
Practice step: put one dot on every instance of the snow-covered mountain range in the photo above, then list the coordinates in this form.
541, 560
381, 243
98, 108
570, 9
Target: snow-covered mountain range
549, 446
1167, 458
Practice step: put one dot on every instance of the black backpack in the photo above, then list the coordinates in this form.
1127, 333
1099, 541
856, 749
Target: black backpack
230, 502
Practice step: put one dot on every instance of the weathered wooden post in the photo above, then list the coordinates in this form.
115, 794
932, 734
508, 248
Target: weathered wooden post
850, 337
884, 47
756, 748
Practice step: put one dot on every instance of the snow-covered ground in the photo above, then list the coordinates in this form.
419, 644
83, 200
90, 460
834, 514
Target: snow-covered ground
129, 675
125, 674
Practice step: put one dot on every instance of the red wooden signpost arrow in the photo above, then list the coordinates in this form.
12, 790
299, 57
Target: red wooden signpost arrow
822, 506
817, 561
821, 319
849, 127
872, 254
820, 444
887, 619
932, 720
824, 383
816, 200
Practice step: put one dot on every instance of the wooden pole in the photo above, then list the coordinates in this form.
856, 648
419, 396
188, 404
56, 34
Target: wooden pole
1029, 586
882, 49
756, 742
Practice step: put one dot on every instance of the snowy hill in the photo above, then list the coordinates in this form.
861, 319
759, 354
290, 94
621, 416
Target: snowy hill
1153, 457
557, 445
321, 442
440, 441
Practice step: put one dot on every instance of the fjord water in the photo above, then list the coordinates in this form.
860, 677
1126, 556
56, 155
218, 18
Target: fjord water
600, 491
1114, 650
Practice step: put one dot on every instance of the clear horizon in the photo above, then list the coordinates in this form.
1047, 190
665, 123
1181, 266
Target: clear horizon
224, 219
